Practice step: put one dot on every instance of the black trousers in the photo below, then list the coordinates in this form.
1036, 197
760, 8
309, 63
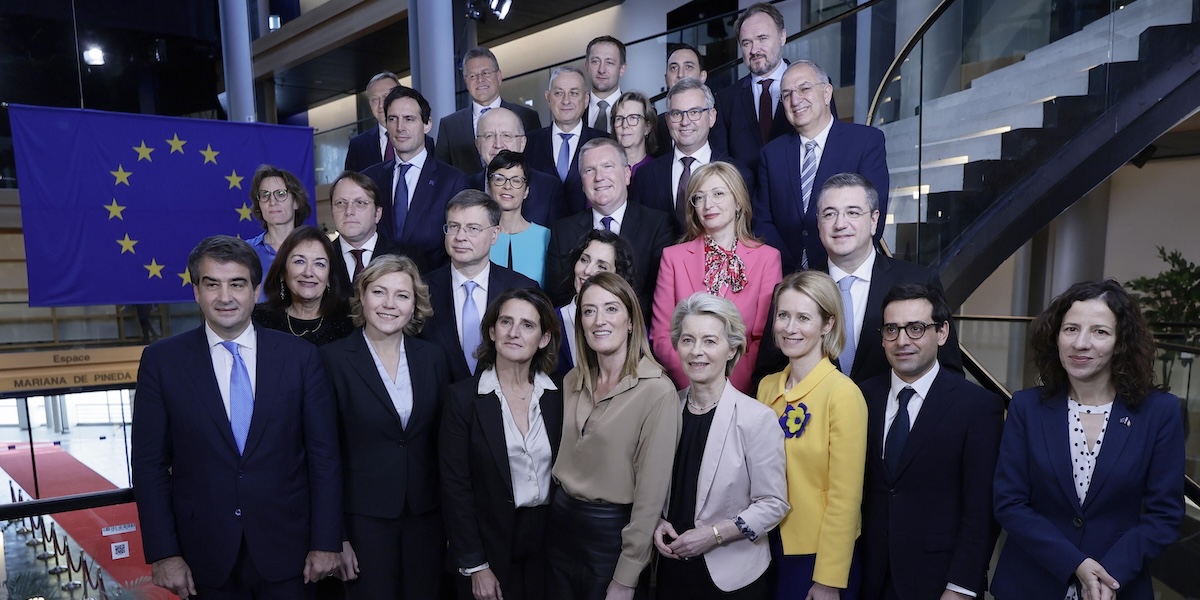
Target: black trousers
584, 543
524, 575
246, 583
401, 559
690, 580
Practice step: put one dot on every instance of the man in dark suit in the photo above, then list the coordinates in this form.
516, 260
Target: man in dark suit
685, 62
848, 206
796, 165
605, 62
457, 131
750, 118
371, 146
932, 443
357, 207
462, 290
426, 184
663, 182
605, 170
501, 130
235, 453
545, 148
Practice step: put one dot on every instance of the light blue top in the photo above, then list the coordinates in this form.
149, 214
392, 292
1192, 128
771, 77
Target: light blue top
528, 250
266, 255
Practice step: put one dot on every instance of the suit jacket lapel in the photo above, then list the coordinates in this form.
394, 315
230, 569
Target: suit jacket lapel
793, 158
444, 304
693, 264
881, 282
425, 390
933, 408
876, 415
1053, 415
363, 364
208, 392
491, 421
265, 400
419, 208
714, 446
1116, 434
552, 415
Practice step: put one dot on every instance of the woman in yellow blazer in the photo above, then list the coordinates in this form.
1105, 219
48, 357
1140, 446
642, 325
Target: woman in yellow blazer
824, 421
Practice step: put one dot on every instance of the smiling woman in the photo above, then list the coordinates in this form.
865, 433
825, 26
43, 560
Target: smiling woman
302, 298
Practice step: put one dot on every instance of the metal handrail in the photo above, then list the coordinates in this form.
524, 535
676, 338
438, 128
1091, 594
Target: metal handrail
902, 56
49, 506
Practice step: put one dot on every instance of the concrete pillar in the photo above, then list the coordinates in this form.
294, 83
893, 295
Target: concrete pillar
23, 414
431, 53
1080, 237
1018, 336
235, 51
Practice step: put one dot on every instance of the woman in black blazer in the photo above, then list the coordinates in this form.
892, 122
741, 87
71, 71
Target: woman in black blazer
500, 435
387, 384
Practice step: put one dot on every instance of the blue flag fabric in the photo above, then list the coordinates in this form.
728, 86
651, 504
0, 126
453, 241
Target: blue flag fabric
112, 203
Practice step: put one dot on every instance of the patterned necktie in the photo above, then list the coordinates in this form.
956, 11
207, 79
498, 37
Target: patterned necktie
602, 116
241, 397
681, 199
358, 264
564, 155
400, 200
765, 115
808, 172
893, 446
470, 326
607, 223
846, 358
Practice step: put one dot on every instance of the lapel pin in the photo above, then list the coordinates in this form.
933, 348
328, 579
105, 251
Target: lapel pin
1126, 422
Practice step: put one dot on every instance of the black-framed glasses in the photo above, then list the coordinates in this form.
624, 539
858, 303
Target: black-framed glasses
630, 120
693, 114
499, 180
914, 329
279, 195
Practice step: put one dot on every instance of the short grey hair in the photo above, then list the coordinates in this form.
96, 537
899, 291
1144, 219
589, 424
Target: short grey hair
384, 75
821, 74
724, 310
851, 180
479, 52
594, 143
564, 69
691, 83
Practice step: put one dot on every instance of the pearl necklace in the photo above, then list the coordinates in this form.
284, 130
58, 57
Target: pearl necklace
697, 409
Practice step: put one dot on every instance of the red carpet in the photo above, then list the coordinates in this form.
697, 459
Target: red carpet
60, 474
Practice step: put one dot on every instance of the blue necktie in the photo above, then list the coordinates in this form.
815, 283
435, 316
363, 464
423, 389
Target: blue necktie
808, 173
893, 446
470, 326
846, 358
607, 223
564, 156
241, 397
400, 200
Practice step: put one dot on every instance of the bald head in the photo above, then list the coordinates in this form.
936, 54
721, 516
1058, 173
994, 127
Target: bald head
498, 129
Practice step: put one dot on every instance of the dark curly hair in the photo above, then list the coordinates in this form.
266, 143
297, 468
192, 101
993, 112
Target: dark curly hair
622, 252
1132, 364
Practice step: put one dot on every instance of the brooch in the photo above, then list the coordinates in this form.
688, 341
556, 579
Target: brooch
795, 418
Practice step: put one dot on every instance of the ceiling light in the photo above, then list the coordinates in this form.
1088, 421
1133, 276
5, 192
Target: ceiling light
500, 8
93, 56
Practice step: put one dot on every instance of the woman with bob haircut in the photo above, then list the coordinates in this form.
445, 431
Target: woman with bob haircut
824, 420
634, 126
719, 255
620, 427
1088, 485
728, 487
500, 434
387, 384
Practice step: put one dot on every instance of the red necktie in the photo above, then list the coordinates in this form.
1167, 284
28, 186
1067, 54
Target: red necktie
764, 110
358, 266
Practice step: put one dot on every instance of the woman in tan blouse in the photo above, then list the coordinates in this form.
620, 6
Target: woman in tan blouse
621, 424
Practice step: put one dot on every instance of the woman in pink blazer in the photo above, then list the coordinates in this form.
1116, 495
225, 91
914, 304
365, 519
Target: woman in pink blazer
719, 255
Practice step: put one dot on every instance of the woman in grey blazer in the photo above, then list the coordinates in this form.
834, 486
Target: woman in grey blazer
728, 486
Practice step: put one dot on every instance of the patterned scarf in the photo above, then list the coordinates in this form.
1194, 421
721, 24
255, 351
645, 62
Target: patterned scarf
721, 267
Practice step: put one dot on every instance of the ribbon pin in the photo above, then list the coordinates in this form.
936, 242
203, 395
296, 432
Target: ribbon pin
1126, 422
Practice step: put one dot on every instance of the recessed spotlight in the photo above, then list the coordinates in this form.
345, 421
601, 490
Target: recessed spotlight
93, 56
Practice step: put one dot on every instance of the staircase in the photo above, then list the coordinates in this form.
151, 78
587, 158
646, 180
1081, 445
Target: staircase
996, 162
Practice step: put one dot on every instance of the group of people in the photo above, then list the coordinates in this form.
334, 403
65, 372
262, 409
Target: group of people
555, 365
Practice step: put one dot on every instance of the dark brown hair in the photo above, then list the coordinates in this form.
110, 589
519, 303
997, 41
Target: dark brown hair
545, 360
279, 296
294, 187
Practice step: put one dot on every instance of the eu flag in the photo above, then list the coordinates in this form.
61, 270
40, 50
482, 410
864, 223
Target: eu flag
112, 203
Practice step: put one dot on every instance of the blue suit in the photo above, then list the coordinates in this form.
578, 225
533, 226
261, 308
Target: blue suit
437, 184
1133, 507
198, 498
363, 150
737, 115
545, 204
539, 151
456, 136
442, 328
652, 186
778, 201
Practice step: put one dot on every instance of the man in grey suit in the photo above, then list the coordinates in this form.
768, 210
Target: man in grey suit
456, 132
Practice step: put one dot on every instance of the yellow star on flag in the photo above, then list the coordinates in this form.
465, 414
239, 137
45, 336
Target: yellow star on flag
176, 144
127, 244
210, 155
154, 268
186, 277
114, 210
244, 213
143, 151
235, 180
122, 175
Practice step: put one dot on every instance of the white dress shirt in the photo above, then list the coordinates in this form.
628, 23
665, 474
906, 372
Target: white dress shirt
819, 150
557, 140
383, 141
858, 290
457, 280
756, 87
414, 173
703, 156
529, 456
618, 216
222, 360
594, 106
368, 249
399, 389
477, 111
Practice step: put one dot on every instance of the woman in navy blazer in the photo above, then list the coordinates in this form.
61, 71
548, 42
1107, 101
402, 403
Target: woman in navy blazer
1089, 483
500, 434
728, 486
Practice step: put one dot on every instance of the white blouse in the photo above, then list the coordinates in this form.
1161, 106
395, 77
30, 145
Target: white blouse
1083, 460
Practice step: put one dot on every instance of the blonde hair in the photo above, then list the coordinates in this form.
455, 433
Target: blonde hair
732, 178
723, 310
824, 292
386, 265
638, 345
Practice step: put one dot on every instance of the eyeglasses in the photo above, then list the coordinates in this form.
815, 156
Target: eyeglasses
499, 180
480, 74
627, 120
914, 329
717, 197
279, 196
804, 89
507, 138
693, 114
851, 214
342, 205
471, 230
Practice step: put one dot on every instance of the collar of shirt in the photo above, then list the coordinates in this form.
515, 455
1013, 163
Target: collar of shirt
821, 137
703, 156
477, 108
863, 272
457, 279
920, 386
489, 382
383, 140
246, 339
611, 99
417, 162
555, 130
777, 79
368, 245
617, 215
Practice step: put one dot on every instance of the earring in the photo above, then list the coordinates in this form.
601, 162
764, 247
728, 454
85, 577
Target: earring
282, 295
